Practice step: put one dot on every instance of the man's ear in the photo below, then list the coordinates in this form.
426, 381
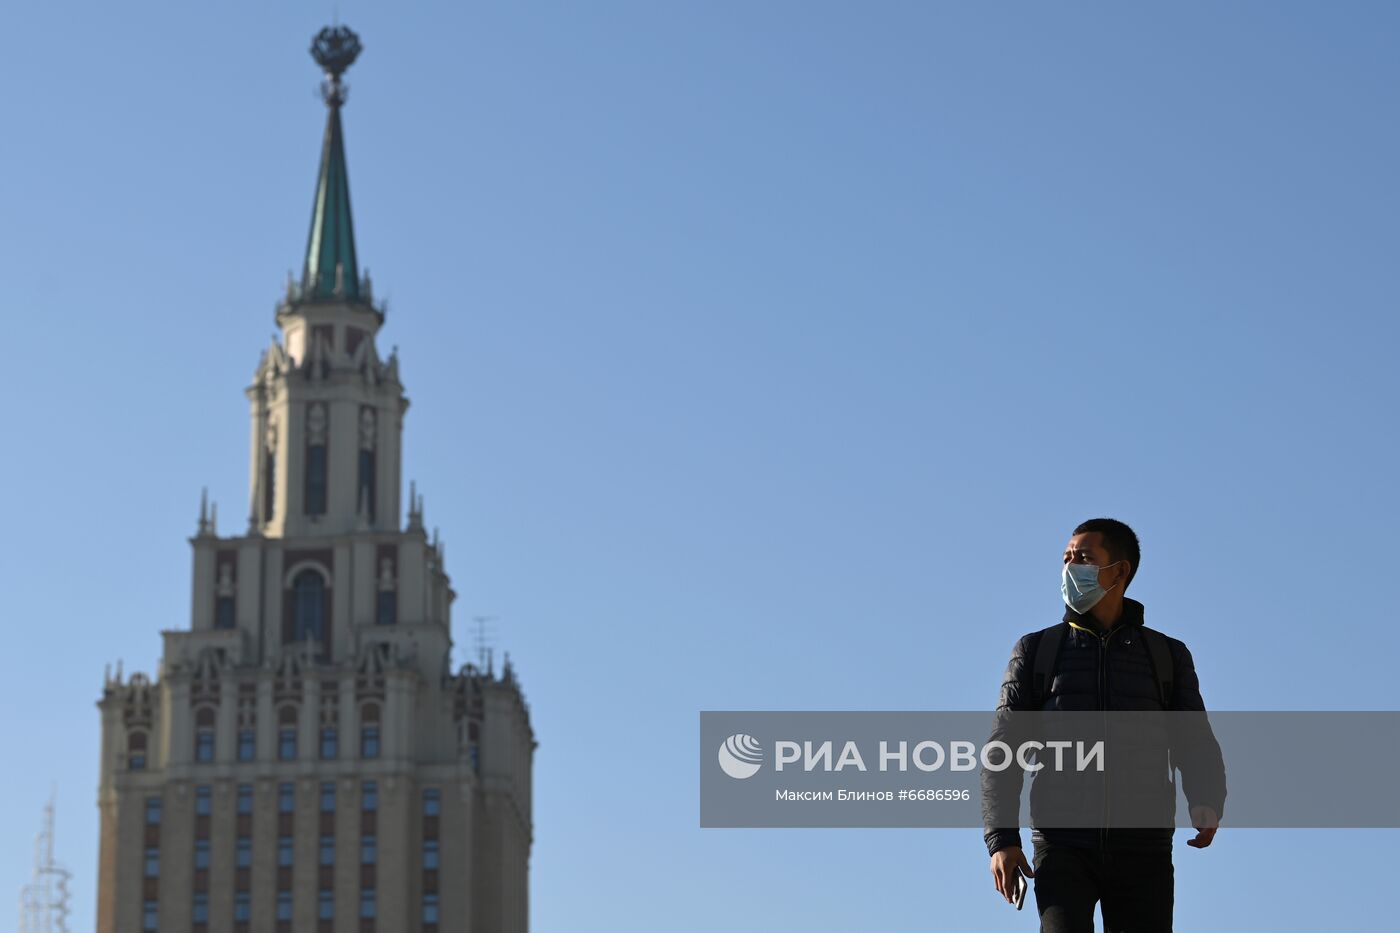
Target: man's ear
1127, 566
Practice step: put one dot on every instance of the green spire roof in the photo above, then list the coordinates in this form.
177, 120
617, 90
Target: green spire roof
331, 244
330, 270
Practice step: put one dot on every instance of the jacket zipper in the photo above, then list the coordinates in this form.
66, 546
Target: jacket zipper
1104, 641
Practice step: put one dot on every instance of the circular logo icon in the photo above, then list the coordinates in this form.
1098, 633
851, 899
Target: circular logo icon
740, 756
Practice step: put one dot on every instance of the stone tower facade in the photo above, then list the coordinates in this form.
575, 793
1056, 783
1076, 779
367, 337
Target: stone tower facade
305, 758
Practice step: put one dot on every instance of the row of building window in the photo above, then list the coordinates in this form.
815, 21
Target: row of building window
242, 907
243, 853
309, 608
286, 800
369, 850
243, 856
247, 739
286, 744
286, 794
315, 481
432, 809
247, 745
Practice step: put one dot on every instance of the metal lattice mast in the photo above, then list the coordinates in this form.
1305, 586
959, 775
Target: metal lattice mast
43, 903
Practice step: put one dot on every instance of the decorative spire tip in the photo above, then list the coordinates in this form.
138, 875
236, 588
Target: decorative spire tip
335, 49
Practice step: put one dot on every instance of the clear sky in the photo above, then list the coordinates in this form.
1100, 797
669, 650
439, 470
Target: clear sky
762, 355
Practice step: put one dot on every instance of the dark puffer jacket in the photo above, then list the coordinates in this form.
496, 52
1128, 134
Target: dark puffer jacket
1112, 671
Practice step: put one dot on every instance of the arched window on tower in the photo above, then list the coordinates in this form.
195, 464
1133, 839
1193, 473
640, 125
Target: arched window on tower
369, 730
269, 485
224, 590
364, 493
287, 733
330, 747
314, 499
136, 751
269, 479
387, 607
316, 479
204, 734
309, 607
223, 612
247, 736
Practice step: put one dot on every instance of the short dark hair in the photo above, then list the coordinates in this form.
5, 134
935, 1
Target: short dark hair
1118, 539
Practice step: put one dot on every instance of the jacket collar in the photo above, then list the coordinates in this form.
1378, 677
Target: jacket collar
1132, 615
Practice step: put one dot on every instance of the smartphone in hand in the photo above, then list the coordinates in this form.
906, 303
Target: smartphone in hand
1020, 892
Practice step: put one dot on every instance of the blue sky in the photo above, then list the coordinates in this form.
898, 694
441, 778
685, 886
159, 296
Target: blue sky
761, 356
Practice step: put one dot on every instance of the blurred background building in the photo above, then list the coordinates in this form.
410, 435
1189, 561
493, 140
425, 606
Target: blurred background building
305, 758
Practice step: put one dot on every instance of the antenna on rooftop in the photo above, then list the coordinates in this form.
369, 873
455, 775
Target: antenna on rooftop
43, 903
483, 637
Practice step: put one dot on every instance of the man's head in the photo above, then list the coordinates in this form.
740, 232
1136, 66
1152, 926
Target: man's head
1108, 544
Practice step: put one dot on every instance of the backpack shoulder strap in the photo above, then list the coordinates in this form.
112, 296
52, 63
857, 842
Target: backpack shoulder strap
1047, 656
1161, 654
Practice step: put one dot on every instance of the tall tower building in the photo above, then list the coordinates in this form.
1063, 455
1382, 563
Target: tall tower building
305, 759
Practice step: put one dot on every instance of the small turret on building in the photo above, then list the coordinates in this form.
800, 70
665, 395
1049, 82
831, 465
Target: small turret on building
305, 758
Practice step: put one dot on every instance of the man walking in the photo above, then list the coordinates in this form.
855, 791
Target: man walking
1102, 657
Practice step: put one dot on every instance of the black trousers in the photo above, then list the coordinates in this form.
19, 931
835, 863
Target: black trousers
1135, 888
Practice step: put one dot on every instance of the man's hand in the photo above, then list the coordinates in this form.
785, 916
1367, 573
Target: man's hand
1206, 823
1005, 864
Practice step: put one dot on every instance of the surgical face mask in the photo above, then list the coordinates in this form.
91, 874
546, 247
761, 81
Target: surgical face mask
1079, 584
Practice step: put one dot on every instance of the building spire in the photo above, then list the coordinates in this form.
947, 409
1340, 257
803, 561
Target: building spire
206, 524
330, 271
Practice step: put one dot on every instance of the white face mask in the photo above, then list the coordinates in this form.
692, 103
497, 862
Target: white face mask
1079, 584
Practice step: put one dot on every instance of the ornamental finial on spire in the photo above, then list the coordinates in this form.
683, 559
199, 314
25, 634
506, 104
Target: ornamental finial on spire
331, 273
335, 49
